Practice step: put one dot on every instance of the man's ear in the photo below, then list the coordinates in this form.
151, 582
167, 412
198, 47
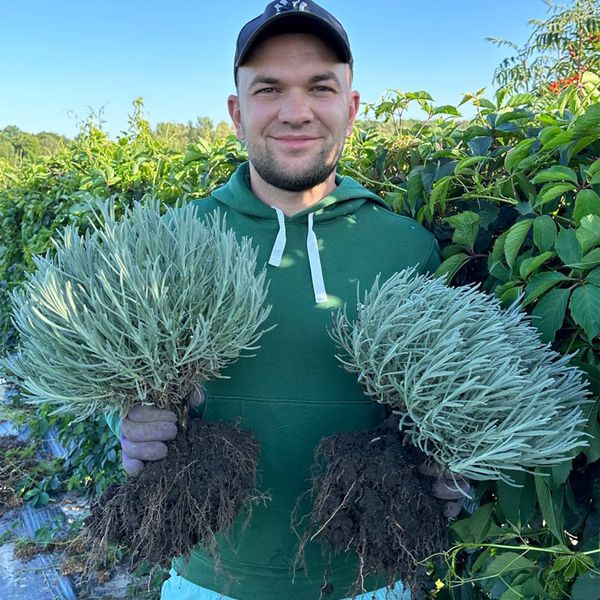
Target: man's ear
353, 107
233, 106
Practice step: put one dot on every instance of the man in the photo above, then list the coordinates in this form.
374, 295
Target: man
321, 236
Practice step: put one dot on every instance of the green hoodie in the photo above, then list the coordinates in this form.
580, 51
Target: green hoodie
293, 392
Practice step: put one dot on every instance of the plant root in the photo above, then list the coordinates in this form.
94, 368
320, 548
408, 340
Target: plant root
206, 480
368, 497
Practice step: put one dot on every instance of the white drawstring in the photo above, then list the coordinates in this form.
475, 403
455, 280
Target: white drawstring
312, 248
279, 245
315, 263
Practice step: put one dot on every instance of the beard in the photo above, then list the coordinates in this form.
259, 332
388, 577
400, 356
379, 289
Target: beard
280, 175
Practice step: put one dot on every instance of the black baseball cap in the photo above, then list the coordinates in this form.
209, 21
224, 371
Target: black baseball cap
291, 16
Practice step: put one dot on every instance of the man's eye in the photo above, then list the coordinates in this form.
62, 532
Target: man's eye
323, 89
266, 90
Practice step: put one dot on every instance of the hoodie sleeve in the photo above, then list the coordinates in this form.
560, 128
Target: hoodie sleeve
433, 260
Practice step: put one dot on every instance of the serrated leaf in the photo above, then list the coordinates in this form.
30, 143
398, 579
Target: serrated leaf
517, 154
474, 528
451, 266
587, 202
553, 191
548, 505
544, 233
530, 265
588, 232
549, 313
508, 562
517, 503
480, 146
548, 133
446, 109
539, 284
465, 163
591, 259
594, 168
593, 277
439, 193
466, 228
567, 247
584, 307
514, 240
556, 173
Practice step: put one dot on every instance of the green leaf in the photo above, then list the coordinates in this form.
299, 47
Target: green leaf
549, 313
594, 277
517, 154
591, 259
588, 232
588, 123
552, 192
508, 562
466, 228
439, 193
584, 306
567, 247
587, 202
530, 265
465, 163
548, 505
539, 284
586, 587
556, 173
517, 504
473, 529
451, 266
514, 239
544, 233
594, 168
446, 109
548, 133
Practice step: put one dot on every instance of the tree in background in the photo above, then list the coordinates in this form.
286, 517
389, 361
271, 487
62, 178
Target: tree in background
558, 52
179, 135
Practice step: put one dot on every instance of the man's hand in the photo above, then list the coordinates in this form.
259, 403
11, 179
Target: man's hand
446, 487
142, 434
145, 429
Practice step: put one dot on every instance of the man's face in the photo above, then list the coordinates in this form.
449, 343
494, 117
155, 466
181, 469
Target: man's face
294, 110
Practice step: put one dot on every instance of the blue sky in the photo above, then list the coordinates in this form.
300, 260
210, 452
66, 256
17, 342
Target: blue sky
59, 59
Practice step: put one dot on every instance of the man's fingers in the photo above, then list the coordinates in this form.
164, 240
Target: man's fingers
149, 414
431, 469
445, 489
158, 431
144, 450
451, 509
132, 466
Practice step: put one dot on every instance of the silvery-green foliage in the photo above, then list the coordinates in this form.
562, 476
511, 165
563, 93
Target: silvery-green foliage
138, 310
473, 385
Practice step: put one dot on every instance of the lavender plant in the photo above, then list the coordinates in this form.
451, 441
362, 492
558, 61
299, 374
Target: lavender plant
473, 385
143, 309
138, 310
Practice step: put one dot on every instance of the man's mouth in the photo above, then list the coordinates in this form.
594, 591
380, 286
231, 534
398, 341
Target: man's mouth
295, 142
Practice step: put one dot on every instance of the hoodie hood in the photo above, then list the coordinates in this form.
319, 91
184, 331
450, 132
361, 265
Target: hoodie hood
344, 200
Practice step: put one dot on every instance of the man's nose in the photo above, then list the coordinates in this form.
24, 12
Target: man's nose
296, 109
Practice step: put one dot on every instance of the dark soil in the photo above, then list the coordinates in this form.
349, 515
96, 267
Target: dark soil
367, 496
206, 480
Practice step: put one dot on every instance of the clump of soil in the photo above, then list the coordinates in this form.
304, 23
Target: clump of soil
367, 496
206, 480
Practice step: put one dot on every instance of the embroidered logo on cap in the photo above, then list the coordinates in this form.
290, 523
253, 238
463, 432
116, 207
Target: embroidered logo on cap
292, 5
